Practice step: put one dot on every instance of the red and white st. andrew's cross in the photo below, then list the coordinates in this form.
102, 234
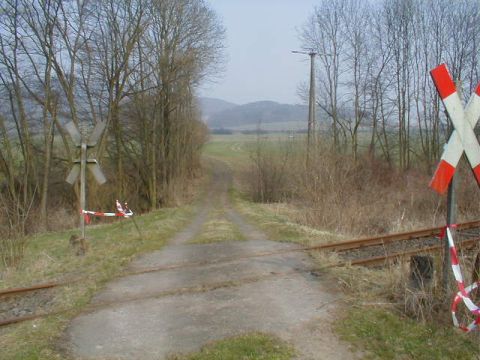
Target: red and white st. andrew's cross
463, 138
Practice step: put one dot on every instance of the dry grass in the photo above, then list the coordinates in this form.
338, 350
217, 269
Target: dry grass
218, 228
382, 314
278, 221
353, 198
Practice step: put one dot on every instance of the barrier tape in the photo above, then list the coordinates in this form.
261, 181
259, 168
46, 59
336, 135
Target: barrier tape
443, 232
121, 212
463, 293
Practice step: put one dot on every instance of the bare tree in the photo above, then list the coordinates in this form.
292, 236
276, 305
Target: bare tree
323, 33
378, 70
133, 64
356, 29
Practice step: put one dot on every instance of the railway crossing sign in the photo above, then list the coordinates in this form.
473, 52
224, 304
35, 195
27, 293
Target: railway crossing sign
463, 137
79, 166
92, 164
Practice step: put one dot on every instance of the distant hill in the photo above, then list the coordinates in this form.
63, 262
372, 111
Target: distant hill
258, 114
210, 106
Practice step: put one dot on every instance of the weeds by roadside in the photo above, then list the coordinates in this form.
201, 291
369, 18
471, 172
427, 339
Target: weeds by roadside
278, 221
354, 197
388, 335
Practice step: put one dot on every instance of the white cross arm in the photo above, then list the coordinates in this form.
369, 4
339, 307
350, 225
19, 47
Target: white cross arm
74, 133
97, 132
97, 172
73, 174
463, 137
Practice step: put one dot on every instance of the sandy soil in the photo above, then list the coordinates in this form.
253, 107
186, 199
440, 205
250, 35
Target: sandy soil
152, 315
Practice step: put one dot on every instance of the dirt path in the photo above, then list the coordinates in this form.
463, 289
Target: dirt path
152, 315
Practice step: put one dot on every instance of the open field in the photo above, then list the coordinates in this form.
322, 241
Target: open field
276, 126
237, 147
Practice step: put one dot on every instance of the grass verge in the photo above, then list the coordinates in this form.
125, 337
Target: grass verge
218, 228
276, 221
49, 257
388, 336
254, 346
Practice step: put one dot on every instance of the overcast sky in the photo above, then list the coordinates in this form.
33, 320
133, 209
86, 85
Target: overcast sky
260, 37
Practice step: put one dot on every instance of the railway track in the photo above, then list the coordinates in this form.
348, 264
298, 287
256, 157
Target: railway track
378, 250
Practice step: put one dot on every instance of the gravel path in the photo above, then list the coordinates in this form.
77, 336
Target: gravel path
155, 314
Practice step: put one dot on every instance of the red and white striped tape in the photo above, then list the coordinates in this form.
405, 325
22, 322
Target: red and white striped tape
121, 212
104, 214
463, 137
463, 293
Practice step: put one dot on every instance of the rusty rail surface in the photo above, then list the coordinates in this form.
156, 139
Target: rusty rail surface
337, 246
386, 239
387, 257
13, 291
378, 260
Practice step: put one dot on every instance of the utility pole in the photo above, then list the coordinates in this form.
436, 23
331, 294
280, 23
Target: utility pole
311, 101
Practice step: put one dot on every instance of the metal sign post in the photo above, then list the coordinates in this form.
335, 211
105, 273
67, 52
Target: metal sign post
311, 104
79, 166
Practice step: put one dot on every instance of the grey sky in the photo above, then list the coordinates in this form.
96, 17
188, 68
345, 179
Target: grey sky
260, 36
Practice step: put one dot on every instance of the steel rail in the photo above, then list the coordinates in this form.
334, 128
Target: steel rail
202, 288
337, 246
177, 291
383, 258
386, 239
12, 291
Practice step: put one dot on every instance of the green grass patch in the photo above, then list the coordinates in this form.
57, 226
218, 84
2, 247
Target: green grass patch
387, 336
276, 221
228, 147
237, 149
49, 257
255, 346
218, 228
